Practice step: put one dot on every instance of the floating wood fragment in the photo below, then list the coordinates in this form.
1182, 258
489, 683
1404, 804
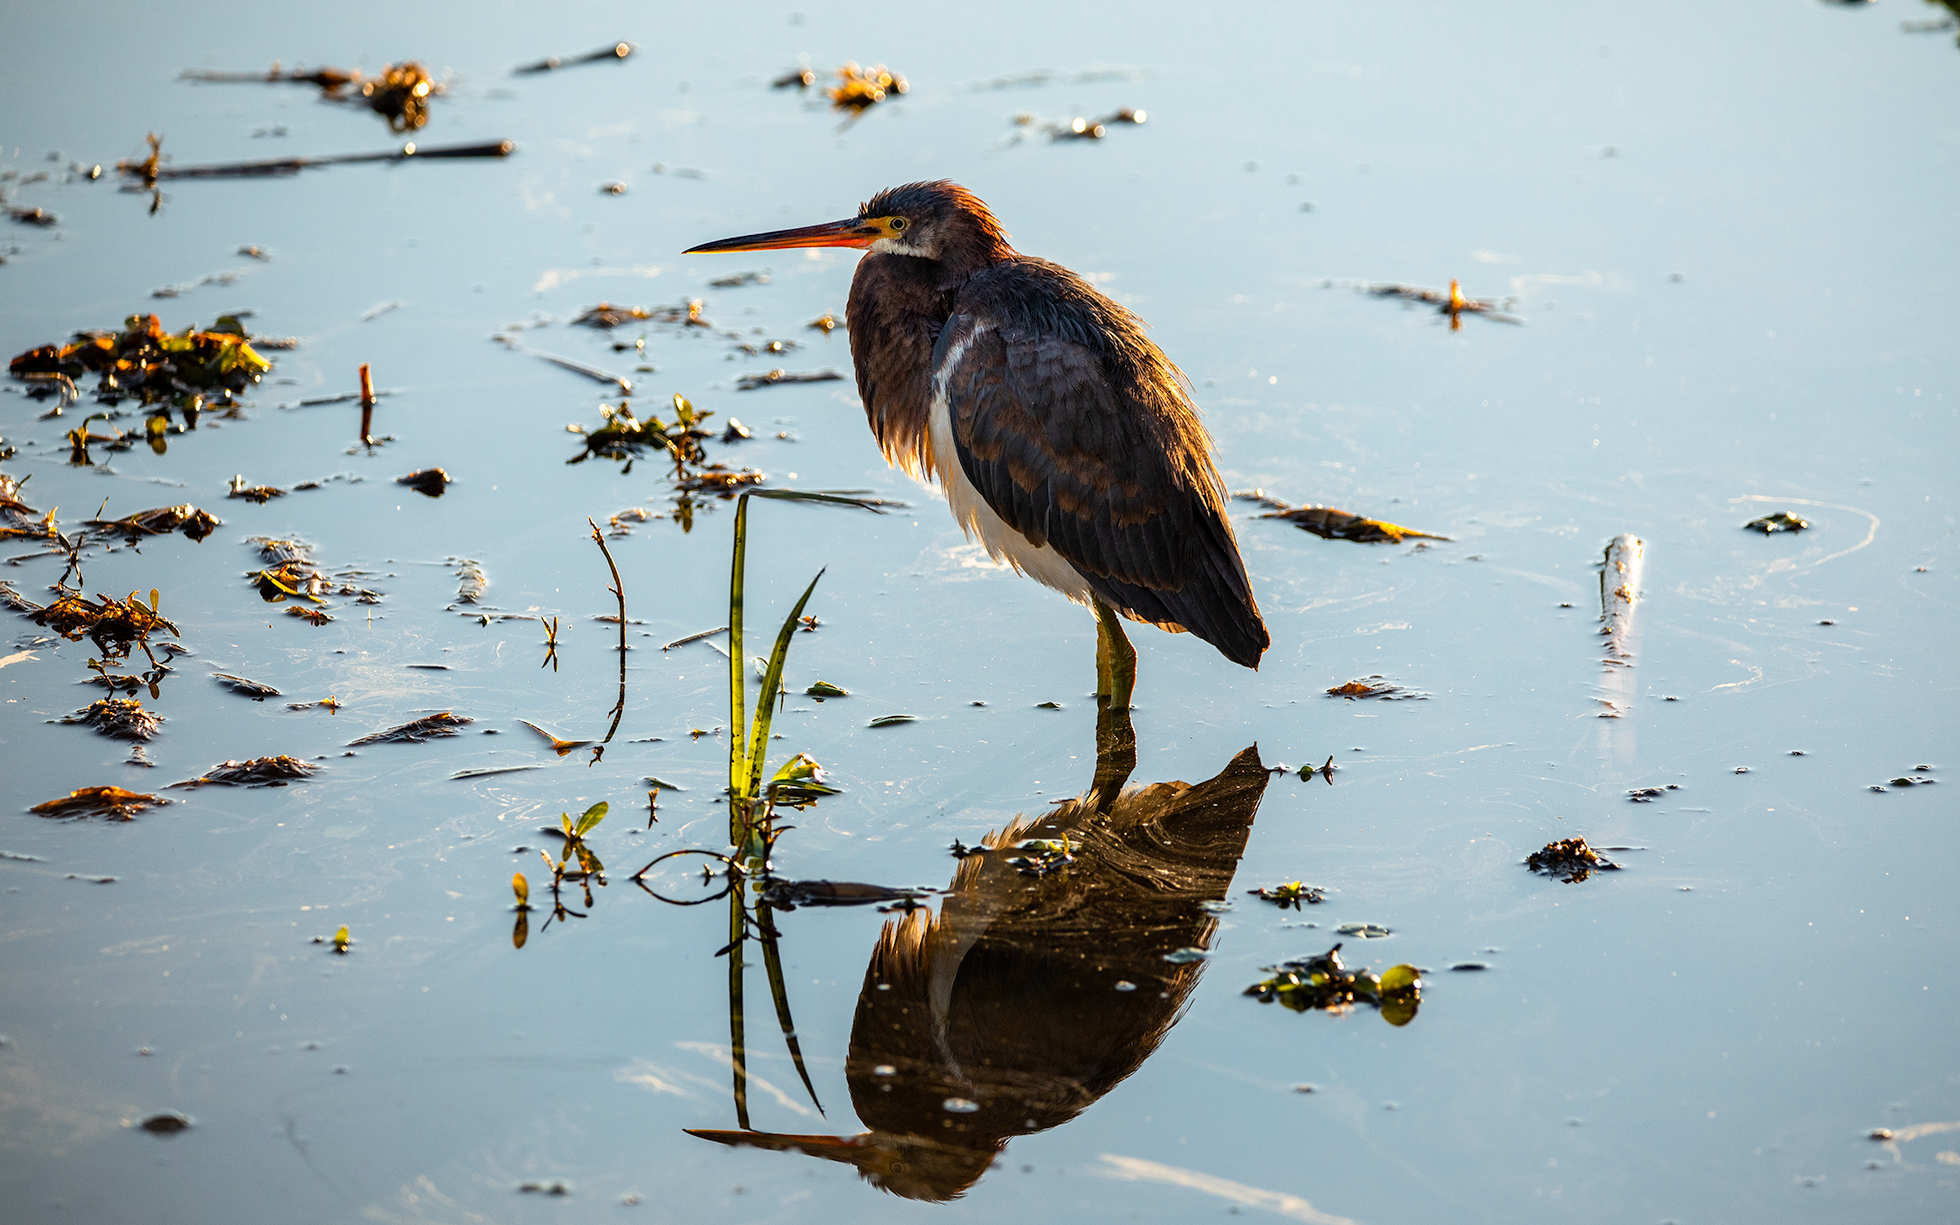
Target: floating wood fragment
255, 690
1619, 591
772, 378
278, 167
429, 727
552, 63
1332, 524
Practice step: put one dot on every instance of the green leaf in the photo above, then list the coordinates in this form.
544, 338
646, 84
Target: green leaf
824, 689
155, 599
592, 817
800, 768
522, 888
1401, 978
341, 939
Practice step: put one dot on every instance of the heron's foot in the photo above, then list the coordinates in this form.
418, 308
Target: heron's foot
1116, 660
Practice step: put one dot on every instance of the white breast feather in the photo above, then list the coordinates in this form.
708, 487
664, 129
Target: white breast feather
977, 519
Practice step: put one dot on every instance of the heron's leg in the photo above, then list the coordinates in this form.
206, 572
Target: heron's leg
1116, 659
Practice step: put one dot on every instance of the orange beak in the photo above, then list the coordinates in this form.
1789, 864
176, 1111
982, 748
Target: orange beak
851, 232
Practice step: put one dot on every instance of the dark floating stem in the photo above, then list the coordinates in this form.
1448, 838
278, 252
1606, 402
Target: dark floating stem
619, 591
277, 167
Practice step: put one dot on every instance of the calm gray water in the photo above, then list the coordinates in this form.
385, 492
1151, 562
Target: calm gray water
1728, 230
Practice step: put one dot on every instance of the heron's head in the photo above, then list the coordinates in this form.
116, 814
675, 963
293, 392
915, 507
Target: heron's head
937, 221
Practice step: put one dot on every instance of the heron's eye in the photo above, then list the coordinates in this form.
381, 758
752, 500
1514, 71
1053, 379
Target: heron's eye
897, 224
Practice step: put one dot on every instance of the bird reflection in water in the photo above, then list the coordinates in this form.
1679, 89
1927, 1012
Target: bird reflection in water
1029, 996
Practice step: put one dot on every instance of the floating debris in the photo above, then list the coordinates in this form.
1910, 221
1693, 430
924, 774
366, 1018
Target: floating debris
795, 78
1781, 521
1040, 856
552, 63
825, 323
892, 720
118, 719
1375, 687
280, 167
258, 772
859, 89
167, 1124
1619, 588
719, 480
112, 802
471, 582
329, 703
113, 625
1079, 128
1569, 858
789, 894
1647, 795
1325, 770
33, 216
429, 727
1453, 303
1364, 931
772, 378
163, 520
1332, 524
253, 493
735, 431
1323, 983
739, 279
400, 94
607, 316
429, 482
560, 747
252, 689
824, 689
1291, 894
146, 363
624, 436
799, 783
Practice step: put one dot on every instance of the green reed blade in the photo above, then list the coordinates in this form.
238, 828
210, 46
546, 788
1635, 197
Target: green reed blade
772, 680
772, 962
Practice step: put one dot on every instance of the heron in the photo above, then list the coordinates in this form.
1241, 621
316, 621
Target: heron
1064, 439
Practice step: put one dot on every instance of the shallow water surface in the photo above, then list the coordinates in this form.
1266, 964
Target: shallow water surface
1725, 232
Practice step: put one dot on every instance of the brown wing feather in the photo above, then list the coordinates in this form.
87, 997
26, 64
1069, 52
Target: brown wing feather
1075, 429
895, 312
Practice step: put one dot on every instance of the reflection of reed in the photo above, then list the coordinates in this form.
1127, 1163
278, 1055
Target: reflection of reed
1028, 997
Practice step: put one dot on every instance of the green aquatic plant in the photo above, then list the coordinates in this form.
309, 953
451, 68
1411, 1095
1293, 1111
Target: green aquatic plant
1323, 983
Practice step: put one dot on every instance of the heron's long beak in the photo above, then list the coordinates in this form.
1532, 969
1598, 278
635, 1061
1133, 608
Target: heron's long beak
851, 232
853, 1149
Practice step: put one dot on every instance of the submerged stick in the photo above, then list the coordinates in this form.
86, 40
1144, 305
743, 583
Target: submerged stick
281, 166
